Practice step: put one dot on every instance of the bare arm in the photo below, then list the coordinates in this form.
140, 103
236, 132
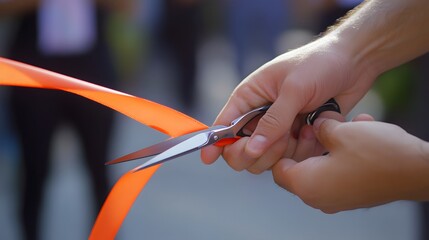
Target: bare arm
383, 34
344, 63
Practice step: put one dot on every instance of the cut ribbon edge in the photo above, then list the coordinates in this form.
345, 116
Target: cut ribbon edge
157, 116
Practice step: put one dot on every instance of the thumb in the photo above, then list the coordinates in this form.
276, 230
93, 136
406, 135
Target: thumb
274, 124
326, 132
282, 174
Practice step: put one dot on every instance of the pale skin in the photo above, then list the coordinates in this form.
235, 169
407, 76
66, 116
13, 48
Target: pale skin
369, 163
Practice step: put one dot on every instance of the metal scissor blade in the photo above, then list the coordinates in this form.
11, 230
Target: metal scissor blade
151, 150
192, 144
159, 147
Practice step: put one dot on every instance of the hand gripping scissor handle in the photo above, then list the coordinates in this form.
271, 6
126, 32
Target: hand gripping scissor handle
240, 123
330, 105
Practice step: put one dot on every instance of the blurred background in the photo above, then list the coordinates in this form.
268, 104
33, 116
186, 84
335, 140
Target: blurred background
189, 55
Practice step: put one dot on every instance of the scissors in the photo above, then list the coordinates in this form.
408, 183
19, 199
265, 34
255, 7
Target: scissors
219, 135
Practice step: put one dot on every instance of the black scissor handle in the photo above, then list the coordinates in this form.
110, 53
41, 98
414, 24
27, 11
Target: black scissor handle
330, 105
242, 121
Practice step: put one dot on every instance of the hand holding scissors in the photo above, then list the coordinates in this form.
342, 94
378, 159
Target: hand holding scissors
219, 135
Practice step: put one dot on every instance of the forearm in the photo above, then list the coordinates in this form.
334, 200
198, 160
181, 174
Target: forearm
382, 34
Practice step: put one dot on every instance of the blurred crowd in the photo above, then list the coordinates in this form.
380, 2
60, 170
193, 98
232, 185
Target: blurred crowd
109, 42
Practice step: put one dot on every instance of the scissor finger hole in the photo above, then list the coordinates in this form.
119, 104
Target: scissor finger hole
250, 127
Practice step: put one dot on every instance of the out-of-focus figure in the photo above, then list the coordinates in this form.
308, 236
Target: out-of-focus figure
179, 33
254, 27
64, 36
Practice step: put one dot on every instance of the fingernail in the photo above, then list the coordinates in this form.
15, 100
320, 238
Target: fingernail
307, 133
317, 123
256, 145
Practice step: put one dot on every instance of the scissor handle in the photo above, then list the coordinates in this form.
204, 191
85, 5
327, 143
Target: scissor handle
241, 122
225, 141
330, 105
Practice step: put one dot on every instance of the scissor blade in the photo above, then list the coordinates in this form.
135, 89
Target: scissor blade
151, 150
192, 144
159, 147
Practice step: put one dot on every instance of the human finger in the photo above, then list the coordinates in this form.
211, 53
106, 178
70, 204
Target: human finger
324, 130
283, 174
284, 146
308, 144
234, 157
274, 124
210, 154
254, 91
363, 117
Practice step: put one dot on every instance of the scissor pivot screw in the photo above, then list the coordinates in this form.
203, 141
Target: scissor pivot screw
215, 138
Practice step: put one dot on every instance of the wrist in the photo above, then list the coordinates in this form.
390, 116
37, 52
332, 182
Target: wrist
381, 35
360, 42
424, 149
418, 179
424, 153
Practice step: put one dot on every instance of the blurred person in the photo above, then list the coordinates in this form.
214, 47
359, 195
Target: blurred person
64, 36
179, 33
368, 162
254, 28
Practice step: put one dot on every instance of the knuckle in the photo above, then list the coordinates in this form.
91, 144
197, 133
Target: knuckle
309, 195
328, 134
279, 179
234, 165
255, 171
278, 182
270, 120
318, 200
329, 210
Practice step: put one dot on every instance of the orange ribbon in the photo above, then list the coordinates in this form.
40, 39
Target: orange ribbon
154, 115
